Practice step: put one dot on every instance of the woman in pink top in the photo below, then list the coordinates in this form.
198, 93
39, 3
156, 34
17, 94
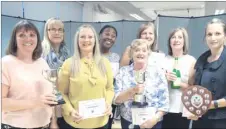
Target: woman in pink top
26, 95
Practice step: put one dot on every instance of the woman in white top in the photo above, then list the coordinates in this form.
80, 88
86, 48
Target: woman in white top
148, 32
178, 48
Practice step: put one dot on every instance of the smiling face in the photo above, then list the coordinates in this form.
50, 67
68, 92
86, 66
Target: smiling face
215, 36
177, 41
86, 40
26, 41
140, 53
149, 35
55, 32
107, 38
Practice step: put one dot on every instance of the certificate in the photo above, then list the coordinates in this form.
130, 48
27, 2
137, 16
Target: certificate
92, 108
140, 115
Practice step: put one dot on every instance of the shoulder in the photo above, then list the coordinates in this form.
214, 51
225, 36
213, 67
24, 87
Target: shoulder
8, 59
190, 58
68, 61
202, 59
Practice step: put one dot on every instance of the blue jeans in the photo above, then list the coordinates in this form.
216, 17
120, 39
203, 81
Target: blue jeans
127, 125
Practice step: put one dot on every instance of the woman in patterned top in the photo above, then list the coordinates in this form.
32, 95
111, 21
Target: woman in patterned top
55, 51
155, 87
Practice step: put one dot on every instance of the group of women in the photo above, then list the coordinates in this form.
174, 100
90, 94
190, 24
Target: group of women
89, 74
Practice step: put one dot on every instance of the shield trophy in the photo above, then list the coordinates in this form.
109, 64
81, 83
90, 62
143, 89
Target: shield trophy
51, 75
196, 99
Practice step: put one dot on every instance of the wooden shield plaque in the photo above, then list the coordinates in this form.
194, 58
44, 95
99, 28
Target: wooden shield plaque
197, 99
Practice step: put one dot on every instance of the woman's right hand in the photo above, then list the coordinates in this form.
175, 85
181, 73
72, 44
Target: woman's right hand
47, 99
170, 76
76, 116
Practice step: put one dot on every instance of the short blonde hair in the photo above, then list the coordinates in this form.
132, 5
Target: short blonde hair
75, 67
186, 40
46, 43
135, 44
143, 27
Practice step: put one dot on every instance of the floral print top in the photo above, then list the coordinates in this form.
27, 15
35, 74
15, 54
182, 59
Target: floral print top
156, 89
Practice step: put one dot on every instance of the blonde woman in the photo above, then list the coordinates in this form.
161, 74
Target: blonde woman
54, 47
54, 51
84, 77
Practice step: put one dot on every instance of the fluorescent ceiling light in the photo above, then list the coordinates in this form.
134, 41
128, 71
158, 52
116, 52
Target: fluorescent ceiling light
219, 11
136, 16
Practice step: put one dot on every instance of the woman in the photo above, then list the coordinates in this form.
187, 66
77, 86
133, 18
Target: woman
26, 95
54, 47
155, 87
83, 77
107, 36
178, 48
210, 73
55, 51
148, 32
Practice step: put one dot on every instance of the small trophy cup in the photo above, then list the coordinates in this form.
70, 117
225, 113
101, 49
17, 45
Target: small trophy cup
51, 75
196, 99
139, 98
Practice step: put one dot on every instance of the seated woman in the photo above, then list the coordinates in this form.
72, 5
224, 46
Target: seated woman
155, 88
26, 95
87, 75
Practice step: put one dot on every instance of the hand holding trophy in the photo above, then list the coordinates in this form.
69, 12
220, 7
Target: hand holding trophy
51, 75
139, 98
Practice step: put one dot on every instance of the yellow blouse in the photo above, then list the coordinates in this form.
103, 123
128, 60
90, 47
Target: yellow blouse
88, 84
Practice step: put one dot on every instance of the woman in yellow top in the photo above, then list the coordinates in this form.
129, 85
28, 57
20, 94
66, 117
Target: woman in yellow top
86, 76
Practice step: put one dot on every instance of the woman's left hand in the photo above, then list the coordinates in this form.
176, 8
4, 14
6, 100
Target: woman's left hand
149, 123
108, 110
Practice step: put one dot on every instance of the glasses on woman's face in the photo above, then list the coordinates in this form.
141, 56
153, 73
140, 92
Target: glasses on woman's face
54, 30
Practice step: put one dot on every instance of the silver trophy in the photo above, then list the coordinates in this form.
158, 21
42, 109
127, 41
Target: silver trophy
139, 98
51, 75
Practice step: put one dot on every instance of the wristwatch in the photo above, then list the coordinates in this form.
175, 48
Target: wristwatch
215, 103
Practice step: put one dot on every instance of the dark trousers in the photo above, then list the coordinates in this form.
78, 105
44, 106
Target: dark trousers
110, 121
65, 125
204, 123
5, 126
60, 122
128, 125
175, 121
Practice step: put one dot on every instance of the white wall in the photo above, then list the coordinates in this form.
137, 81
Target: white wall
66, 11
92, 15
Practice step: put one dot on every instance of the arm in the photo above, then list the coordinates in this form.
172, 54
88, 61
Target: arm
63, 86
190, 77
109, 87
125, 57
9, 104
163, 94
121, 95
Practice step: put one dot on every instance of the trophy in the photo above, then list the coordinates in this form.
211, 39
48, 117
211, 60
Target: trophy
196, 99
51, 75
139, 98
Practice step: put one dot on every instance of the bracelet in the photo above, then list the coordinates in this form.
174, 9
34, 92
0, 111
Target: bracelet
215, 103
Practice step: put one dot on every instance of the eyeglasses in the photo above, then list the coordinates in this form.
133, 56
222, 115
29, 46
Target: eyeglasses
54, 30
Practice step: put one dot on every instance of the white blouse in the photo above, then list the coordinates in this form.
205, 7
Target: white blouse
184, 65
